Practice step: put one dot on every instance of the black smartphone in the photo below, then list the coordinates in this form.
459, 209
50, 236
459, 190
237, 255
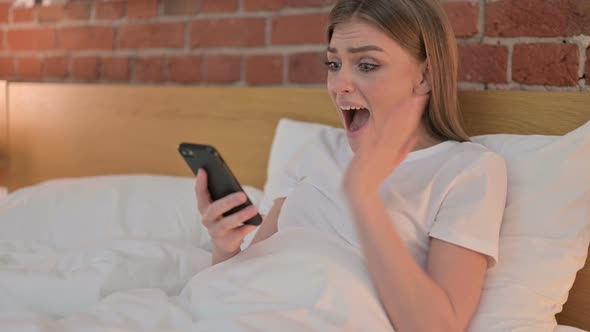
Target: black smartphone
220, 181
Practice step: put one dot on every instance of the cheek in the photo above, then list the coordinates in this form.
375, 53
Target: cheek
331, 87
386, 92
330, 84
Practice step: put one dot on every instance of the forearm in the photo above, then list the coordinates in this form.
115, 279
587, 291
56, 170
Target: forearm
412, 300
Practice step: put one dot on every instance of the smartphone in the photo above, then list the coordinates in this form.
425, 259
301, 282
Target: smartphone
220, 181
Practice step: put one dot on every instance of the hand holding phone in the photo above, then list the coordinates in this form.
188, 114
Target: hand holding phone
221, 181
225, 209
227, 233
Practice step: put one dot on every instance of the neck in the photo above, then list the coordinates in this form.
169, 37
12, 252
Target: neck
425, 139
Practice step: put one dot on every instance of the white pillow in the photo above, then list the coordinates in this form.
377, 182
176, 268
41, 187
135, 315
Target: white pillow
289, 137
545, 231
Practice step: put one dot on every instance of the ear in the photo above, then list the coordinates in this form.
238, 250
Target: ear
422, 86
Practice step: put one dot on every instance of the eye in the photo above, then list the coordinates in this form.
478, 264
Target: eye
367, 67
332, 65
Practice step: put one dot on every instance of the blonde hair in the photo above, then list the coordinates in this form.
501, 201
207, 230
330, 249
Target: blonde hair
421, 27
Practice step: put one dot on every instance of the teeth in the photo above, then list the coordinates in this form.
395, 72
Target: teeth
347, 108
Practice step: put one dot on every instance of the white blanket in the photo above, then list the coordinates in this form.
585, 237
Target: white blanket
275, 285
146, 285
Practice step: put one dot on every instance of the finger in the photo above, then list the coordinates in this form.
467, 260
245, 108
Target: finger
237, 235
237, 219
242, 231
201, 191
221, 206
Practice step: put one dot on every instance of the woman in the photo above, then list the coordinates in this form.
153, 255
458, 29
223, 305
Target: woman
426, 204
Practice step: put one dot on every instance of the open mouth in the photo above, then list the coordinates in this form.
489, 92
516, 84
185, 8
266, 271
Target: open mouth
355, 117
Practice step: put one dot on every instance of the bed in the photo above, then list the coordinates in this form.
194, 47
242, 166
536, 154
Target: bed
56, 131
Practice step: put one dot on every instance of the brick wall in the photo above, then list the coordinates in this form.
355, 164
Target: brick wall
503, 44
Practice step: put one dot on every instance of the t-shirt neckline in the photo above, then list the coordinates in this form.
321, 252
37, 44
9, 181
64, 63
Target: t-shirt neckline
418, 154
414, 155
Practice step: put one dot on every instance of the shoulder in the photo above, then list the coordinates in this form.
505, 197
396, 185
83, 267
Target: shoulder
475, 157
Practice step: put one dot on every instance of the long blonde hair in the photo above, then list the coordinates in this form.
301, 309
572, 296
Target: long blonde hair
421, 27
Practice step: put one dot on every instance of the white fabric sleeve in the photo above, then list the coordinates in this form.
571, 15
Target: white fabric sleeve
471, 212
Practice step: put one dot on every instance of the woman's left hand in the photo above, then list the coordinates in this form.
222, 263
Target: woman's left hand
379, 154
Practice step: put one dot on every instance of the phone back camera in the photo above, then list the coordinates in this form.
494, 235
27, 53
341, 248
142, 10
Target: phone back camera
187, 153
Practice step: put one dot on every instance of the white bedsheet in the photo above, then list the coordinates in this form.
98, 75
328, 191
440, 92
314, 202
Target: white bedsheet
275, 285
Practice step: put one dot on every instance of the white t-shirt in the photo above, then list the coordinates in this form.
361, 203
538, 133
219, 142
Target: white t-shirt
455, 192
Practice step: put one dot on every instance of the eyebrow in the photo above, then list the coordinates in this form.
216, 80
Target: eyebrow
358, 49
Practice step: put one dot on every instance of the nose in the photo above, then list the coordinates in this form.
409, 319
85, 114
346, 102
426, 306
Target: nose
341, 82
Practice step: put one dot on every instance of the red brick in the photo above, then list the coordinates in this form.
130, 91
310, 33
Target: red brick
110, 9
37, 39
537, 18
160, 35
464, 17
142, 8
51, 13
29, 68
308, 3
181, 7
85, 68
223, 68
79, 10
218, 6
264, 69
184, 69
4, 10
299, 29
545, 64
229, 32
21, 15
56, 67
256, 5
483, 63
115, 69
87, 38
149, 69
307, 68
7, 68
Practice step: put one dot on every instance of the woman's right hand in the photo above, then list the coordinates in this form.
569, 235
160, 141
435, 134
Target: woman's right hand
227, 232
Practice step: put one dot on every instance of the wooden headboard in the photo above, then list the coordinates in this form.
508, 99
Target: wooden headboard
68, 130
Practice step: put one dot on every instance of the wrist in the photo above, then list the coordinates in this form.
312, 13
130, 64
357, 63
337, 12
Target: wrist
218, 255
363, 202
358, 187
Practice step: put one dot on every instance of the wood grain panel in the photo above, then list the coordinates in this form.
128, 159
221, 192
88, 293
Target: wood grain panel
80, 130
576, 311
524, 112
